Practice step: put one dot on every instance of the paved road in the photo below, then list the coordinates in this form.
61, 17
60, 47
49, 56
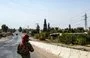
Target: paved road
8, 48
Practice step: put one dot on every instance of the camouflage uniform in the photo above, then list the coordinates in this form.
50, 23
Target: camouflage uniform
28, 49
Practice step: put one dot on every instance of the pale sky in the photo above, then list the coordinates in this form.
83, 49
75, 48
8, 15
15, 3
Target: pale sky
59, 13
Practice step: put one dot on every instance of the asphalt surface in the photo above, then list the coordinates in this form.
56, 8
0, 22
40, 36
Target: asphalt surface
8, 49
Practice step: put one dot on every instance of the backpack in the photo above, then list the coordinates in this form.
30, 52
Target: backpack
22, 49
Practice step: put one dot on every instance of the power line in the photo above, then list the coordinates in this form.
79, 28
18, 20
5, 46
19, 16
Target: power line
76, 16
85, 18
80, 13
77, 23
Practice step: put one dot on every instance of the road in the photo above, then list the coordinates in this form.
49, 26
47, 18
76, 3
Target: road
8, 49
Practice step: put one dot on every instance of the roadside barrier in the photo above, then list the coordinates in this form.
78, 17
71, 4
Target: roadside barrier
61, 52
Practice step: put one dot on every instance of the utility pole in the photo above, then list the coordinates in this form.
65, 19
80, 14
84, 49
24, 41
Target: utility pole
85, 21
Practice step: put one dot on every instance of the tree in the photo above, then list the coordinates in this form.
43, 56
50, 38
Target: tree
24, 31
4, 28
13, 30
48, 26
69, 26
56, 29
38, 28
80, 29
20, 29
70, 30
33, 32
52, 30
45, 25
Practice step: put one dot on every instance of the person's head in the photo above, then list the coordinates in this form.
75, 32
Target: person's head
25, 39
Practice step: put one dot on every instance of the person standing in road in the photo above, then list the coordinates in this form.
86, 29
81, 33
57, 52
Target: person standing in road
25, 47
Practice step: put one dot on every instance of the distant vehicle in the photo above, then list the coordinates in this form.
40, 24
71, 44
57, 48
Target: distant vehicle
16, 34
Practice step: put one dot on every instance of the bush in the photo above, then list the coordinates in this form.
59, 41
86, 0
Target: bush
88, 32
67, 39
33, 32
42, 36
76, 39
88, 39
37, 36
80, 39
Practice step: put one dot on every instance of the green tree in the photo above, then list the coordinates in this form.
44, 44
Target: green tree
48, 26
13, 30
70, 29
20, 29
56, 28
45, 25
24, 31
38, 28
33, 32
52, 30
4, 28
80, 29
69, 26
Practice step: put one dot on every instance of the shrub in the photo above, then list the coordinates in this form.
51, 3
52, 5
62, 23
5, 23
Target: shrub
88, 39
37, 36
67, 39
80, 39
42, 36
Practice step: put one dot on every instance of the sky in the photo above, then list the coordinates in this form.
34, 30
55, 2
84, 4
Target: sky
59, 13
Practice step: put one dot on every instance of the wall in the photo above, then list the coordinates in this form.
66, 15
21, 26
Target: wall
61, 52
